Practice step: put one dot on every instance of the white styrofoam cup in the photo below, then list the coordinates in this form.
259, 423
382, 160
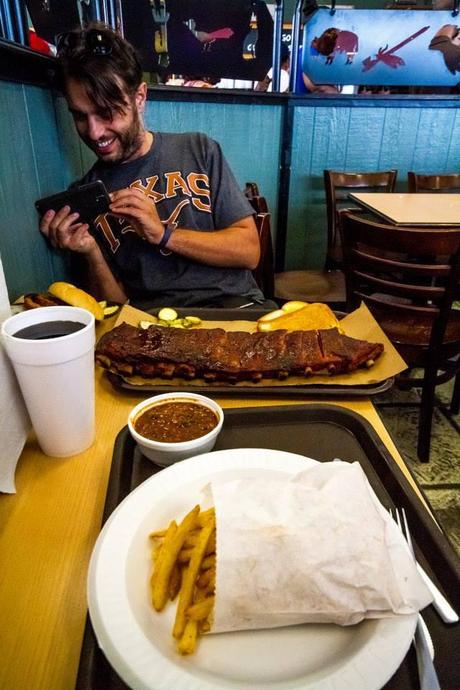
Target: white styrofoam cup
56, 377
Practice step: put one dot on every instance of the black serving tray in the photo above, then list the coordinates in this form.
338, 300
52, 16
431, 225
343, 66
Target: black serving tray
314, 390
323, 432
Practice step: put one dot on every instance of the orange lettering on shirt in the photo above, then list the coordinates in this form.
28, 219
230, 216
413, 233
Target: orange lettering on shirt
193, 179
148, 188
102, 223
175, 181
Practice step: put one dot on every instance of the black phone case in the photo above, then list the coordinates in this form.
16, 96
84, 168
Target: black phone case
89, 201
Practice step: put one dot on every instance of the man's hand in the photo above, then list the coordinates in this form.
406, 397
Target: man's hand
140, 211
64, 231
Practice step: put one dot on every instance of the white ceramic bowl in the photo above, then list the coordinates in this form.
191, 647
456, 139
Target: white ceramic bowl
163, 453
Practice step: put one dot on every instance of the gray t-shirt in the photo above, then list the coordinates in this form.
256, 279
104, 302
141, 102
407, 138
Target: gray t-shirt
190, 182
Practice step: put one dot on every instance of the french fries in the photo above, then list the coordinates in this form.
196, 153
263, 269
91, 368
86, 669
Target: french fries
184, 567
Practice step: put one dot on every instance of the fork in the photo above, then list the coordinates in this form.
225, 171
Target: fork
426, 670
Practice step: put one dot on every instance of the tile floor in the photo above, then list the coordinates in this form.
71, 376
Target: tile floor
439, 478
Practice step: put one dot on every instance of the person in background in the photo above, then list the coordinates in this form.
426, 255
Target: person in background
180, 231
311, 87
266, 84
306, 85
202, 82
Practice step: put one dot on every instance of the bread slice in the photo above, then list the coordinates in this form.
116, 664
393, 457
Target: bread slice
311, 317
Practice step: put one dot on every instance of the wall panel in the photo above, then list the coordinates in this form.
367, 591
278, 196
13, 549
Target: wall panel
30, 166
424, 139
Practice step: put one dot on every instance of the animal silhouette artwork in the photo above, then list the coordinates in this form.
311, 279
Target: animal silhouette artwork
381, 47
388, 55
334, 42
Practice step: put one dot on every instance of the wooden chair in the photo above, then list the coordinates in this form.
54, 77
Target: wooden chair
420, 182
328, 284
257, 201
338, 186
410, 293
251, 189
264, 272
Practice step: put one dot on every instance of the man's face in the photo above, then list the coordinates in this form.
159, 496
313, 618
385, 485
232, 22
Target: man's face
114, 137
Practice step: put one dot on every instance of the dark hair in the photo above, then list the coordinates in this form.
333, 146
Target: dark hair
285, 53
106, 64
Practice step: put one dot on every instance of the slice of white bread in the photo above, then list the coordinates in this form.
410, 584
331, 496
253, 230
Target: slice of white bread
309, 317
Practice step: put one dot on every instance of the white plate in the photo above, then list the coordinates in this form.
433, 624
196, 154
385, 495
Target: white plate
138, 643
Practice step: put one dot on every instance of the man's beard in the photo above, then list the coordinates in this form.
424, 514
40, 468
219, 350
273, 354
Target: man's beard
129, 142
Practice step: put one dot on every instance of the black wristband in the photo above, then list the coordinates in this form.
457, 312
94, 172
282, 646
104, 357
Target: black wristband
166, 235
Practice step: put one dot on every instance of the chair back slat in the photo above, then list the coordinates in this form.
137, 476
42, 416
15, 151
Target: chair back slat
422, 182
411, 311
411, 291
414, 269
338, 185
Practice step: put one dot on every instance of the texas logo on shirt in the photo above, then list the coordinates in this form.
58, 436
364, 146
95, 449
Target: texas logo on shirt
194, 187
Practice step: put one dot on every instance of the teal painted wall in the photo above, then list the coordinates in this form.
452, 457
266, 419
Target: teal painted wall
361, 139
30, 166
41, 154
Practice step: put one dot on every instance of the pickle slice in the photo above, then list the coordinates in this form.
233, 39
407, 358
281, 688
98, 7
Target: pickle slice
191, 321
146, 324
108, 311
167, 314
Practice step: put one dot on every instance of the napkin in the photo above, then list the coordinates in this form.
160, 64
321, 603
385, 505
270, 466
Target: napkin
316, 547
14, 419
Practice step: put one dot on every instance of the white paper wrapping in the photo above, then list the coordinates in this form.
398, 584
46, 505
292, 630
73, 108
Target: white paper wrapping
14, 420
317, 547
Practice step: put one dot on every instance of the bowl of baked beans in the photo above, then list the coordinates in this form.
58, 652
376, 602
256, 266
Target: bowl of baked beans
174, 426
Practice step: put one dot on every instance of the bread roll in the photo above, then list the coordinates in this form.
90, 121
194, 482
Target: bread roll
72, 295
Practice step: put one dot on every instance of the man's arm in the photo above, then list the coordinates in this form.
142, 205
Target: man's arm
318, 88
100, 279
236, 246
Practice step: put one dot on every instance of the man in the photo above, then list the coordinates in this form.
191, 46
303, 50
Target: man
180, 231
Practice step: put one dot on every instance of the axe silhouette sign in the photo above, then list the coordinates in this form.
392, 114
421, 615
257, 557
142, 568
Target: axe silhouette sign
388, 56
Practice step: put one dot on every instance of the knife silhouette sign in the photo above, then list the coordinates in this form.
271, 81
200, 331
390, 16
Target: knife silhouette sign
388, 56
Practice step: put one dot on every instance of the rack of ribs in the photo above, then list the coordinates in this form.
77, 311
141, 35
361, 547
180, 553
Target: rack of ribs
218, 355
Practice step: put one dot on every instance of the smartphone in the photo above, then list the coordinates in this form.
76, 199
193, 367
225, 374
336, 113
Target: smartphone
89, 201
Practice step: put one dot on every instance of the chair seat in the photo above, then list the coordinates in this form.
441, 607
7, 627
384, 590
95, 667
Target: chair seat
405, 332
310, 286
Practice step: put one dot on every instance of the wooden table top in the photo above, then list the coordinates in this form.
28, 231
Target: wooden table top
412, 209
49, 528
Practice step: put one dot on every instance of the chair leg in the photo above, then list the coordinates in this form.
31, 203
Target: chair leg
455, 402
426, 415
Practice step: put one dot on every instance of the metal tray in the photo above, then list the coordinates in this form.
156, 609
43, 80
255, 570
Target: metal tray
323, 432
259, 389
